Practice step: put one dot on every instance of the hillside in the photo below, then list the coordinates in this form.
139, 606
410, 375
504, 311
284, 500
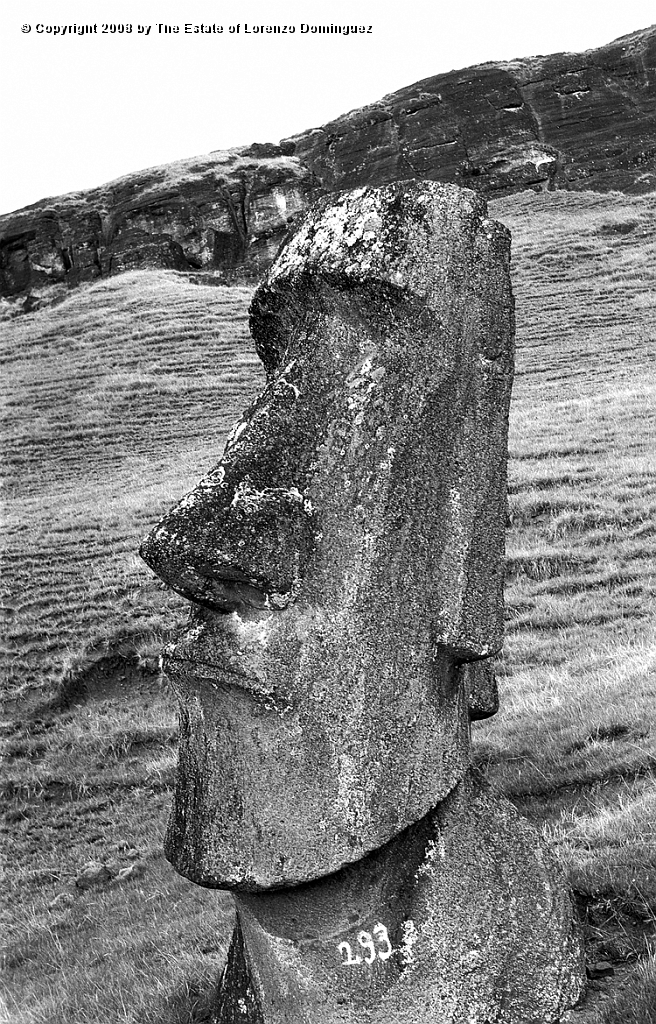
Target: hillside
117, 399
566, 121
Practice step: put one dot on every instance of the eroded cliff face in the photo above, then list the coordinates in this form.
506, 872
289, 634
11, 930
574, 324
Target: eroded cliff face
570, 121
225, 211
567, 121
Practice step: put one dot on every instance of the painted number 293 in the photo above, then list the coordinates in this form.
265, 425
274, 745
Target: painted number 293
376, 946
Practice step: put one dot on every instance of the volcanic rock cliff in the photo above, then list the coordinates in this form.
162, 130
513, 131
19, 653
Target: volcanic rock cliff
567, 121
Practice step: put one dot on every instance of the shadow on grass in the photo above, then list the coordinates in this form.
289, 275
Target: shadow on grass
636, 1003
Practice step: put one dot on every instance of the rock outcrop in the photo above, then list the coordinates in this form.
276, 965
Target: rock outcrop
227, 210
566, 121
570, 121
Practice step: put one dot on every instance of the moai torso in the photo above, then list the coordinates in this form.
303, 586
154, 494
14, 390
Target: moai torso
345, 564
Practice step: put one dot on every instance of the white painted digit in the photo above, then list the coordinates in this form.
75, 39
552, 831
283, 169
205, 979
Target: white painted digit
366, 941
345, 948
380, 931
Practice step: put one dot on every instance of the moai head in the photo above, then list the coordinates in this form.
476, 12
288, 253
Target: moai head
344, 557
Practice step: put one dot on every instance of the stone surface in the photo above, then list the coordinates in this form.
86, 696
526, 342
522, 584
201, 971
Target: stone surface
462, 919
236, 1001
570, 121
62, 901
131, 871
345, 557
95, 873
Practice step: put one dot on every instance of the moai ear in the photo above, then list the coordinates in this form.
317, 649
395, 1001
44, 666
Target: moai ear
480, 685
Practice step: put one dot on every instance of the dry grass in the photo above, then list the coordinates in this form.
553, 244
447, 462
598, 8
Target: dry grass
118, 398
636, 1004
575, 743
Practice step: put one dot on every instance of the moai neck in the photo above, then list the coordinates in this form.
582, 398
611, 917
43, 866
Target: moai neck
342, 937
434, 927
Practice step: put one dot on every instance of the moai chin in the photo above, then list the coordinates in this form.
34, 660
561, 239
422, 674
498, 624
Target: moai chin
344, 561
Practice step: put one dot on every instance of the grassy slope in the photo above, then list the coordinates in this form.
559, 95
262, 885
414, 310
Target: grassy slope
107, 426
575, 744
117, 398
579, 697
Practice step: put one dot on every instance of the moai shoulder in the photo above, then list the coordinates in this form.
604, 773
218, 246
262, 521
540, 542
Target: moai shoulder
344, 561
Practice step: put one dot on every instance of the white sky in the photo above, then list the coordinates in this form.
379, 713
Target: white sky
77, 111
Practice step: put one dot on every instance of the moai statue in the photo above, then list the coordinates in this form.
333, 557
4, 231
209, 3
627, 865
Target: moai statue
344, 561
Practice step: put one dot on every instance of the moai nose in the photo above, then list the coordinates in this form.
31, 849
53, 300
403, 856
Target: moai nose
230, 547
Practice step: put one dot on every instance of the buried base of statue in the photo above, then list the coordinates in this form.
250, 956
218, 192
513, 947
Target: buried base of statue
464, 918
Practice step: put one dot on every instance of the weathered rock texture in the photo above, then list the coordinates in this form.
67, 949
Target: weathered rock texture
572, 121
346, 554
462, 919
568, 121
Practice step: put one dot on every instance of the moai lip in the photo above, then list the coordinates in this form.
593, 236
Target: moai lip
345, 557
